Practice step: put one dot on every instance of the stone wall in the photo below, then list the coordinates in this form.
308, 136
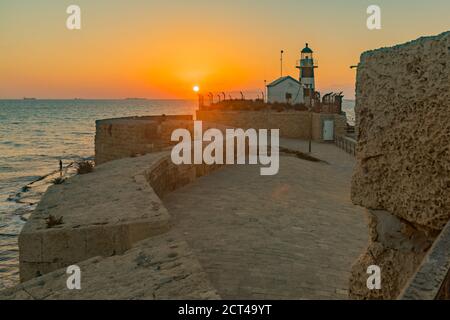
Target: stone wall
165, 176
110, 220
129, 137
102, 213
122, 209
134, 136
403, 157
340, 125
292, 124
162, 267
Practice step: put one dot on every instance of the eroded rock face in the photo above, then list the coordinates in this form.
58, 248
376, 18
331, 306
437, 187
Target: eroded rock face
403, 115
403, 155
397, 247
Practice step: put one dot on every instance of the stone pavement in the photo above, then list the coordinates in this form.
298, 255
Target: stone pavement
328, 152
294, 235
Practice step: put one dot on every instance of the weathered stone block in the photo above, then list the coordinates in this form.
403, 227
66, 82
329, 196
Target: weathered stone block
403, 157
403, 115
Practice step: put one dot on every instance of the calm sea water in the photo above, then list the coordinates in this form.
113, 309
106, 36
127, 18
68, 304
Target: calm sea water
36, 134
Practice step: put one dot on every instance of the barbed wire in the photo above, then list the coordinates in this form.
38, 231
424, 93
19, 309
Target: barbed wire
218, 96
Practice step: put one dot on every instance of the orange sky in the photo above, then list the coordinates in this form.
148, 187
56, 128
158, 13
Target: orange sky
161, 49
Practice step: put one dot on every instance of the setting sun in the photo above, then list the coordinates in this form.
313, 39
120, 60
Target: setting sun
196, 88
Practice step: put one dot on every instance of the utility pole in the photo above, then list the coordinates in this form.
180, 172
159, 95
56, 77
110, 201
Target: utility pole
281, 62
265, 90
311, 118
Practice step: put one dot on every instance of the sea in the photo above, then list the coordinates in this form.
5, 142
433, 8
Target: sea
36, 134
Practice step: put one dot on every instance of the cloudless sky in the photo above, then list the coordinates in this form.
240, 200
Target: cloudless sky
161, 49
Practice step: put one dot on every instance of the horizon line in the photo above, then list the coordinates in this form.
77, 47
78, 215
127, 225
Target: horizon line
74, 99
105, 99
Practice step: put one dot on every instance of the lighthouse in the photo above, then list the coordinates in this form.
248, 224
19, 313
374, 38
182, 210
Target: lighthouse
306, 67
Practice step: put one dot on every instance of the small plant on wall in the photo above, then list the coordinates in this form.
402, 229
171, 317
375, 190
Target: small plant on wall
58, 180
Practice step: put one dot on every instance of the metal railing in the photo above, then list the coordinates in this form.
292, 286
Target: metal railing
346, 143
210, 98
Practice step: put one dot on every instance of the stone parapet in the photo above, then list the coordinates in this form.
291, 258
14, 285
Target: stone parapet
103, 213
292, 124
123, 208
134, 136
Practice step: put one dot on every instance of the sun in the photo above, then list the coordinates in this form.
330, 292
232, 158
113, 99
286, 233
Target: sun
196, 88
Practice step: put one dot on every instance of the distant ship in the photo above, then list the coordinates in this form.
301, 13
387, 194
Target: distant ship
25, 98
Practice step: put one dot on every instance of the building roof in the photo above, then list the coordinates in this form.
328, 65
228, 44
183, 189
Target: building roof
307, 49
281, 79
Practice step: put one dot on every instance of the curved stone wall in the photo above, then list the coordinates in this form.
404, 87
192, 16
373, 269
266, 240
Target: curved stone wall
134, 136
123, 209
104, 213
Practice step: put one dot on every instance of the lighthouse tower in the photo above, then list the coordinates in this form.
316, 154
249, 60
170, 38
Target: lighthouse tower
306, 66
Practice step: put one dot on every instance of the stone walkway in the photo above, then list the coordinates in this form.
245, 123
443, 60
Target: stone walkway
294, 235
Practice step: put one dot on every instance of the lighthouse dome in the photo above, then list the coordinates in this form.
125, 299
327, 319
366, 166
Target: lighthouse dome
307, 49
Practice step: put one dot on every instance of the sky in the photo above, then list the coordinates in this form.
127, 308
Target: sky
161, 49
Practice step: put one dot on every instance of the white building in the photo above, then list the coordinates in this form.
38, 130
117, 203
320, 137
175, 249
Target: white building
285, 90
